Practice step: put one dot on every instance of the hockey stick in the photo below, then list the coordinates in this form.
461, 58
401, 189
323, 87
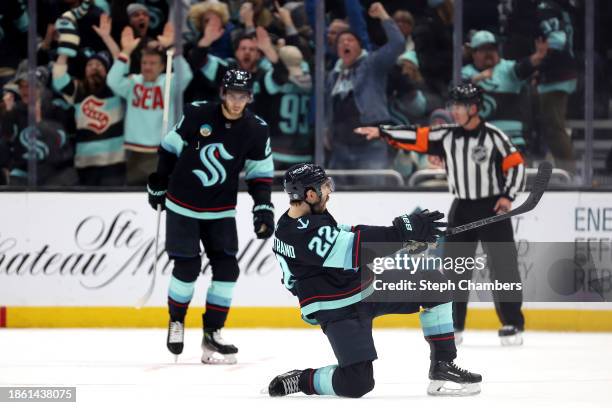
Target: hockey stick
539, 186
165, 115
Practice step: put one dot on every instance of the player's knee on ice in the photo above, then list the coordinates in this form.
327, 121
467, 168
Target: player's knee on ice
354, 381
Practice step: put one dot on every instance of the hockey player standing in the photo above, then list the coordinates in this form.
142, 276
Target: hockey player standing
197, 182
319, 259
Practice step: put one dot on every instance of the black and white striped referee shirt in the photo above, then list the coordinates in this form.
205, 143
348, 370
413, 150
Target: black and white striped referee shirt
479, 163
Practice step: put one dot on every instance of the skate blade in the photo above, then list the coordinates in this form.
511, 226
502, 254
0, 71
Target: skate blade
452, 389
216, 358
174, 355
511, 341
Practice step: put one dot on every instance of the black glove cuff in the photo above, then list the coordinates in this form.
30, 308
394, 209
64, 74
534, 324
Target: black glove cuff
157, 183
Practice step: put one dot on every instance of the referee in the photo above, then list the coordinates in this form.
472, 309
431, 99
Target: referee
485, 171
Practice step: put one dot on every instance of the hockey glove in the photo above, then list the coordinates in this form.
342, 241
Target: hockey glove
263, 220
421, 227
156, 187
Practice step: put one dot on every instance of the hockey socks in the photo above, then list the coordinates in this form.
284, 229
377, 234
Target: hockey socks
437, 326
179, 296
218, 301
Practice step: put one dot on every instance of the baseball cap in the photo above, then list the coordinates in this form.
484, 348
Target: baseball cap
410, 56
481, 38
135, 7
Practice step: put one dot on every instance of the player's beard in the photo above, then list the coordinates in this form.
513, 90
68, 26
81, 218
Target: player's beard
321, 206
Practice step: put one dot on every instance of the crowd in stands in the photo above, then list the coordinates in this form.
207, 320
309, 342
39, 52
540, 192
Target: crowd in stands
98, 90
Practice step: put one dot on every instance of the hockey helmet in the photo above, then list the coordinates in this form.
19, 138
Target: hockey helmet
239, 80
302, 177
466, 93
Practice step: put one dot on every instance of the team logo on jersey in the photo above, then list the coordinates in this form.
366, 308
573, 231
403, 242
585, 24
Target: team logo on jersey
205, 130
303, 225
97, 120
41, 150
479, 154
215, 172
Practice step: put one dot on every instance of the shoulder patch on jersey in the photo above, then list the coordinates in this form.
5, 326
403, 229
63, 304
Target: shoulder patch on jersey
260, 120
303, 224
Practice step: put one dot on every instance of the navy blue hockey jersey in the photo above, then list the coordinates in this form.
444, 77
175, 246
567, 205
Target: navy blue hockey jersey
320, 260
203, 156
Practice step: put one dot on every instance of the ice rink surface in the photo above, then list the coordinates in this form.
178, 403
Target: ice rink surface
132, 368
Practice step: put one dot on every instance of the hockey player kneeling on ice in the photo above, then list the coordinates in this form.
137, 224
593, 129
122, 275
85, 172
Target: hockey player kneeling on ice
197, 182
320, 261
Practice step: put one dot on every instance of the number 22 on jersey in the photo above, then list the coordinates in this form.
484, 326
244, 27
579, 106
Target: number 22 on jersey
323, 242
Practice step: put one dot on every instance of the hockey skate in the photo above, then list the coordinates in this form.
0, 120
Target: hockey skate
215, 350
510, 336
176, 336
448, 379
285, 384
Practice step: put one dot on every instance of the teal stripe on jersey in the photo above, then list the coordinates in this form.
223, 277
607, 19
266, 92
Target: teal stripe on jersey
341, 254
99, 147
437, 320
335, 304
199, 215
180, 291
259, 168
173, 142
322, 380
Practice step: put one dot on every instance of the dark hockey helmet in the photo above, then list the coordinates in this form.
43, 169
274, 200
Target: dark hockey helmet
466, 93
238, 80
302, 177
